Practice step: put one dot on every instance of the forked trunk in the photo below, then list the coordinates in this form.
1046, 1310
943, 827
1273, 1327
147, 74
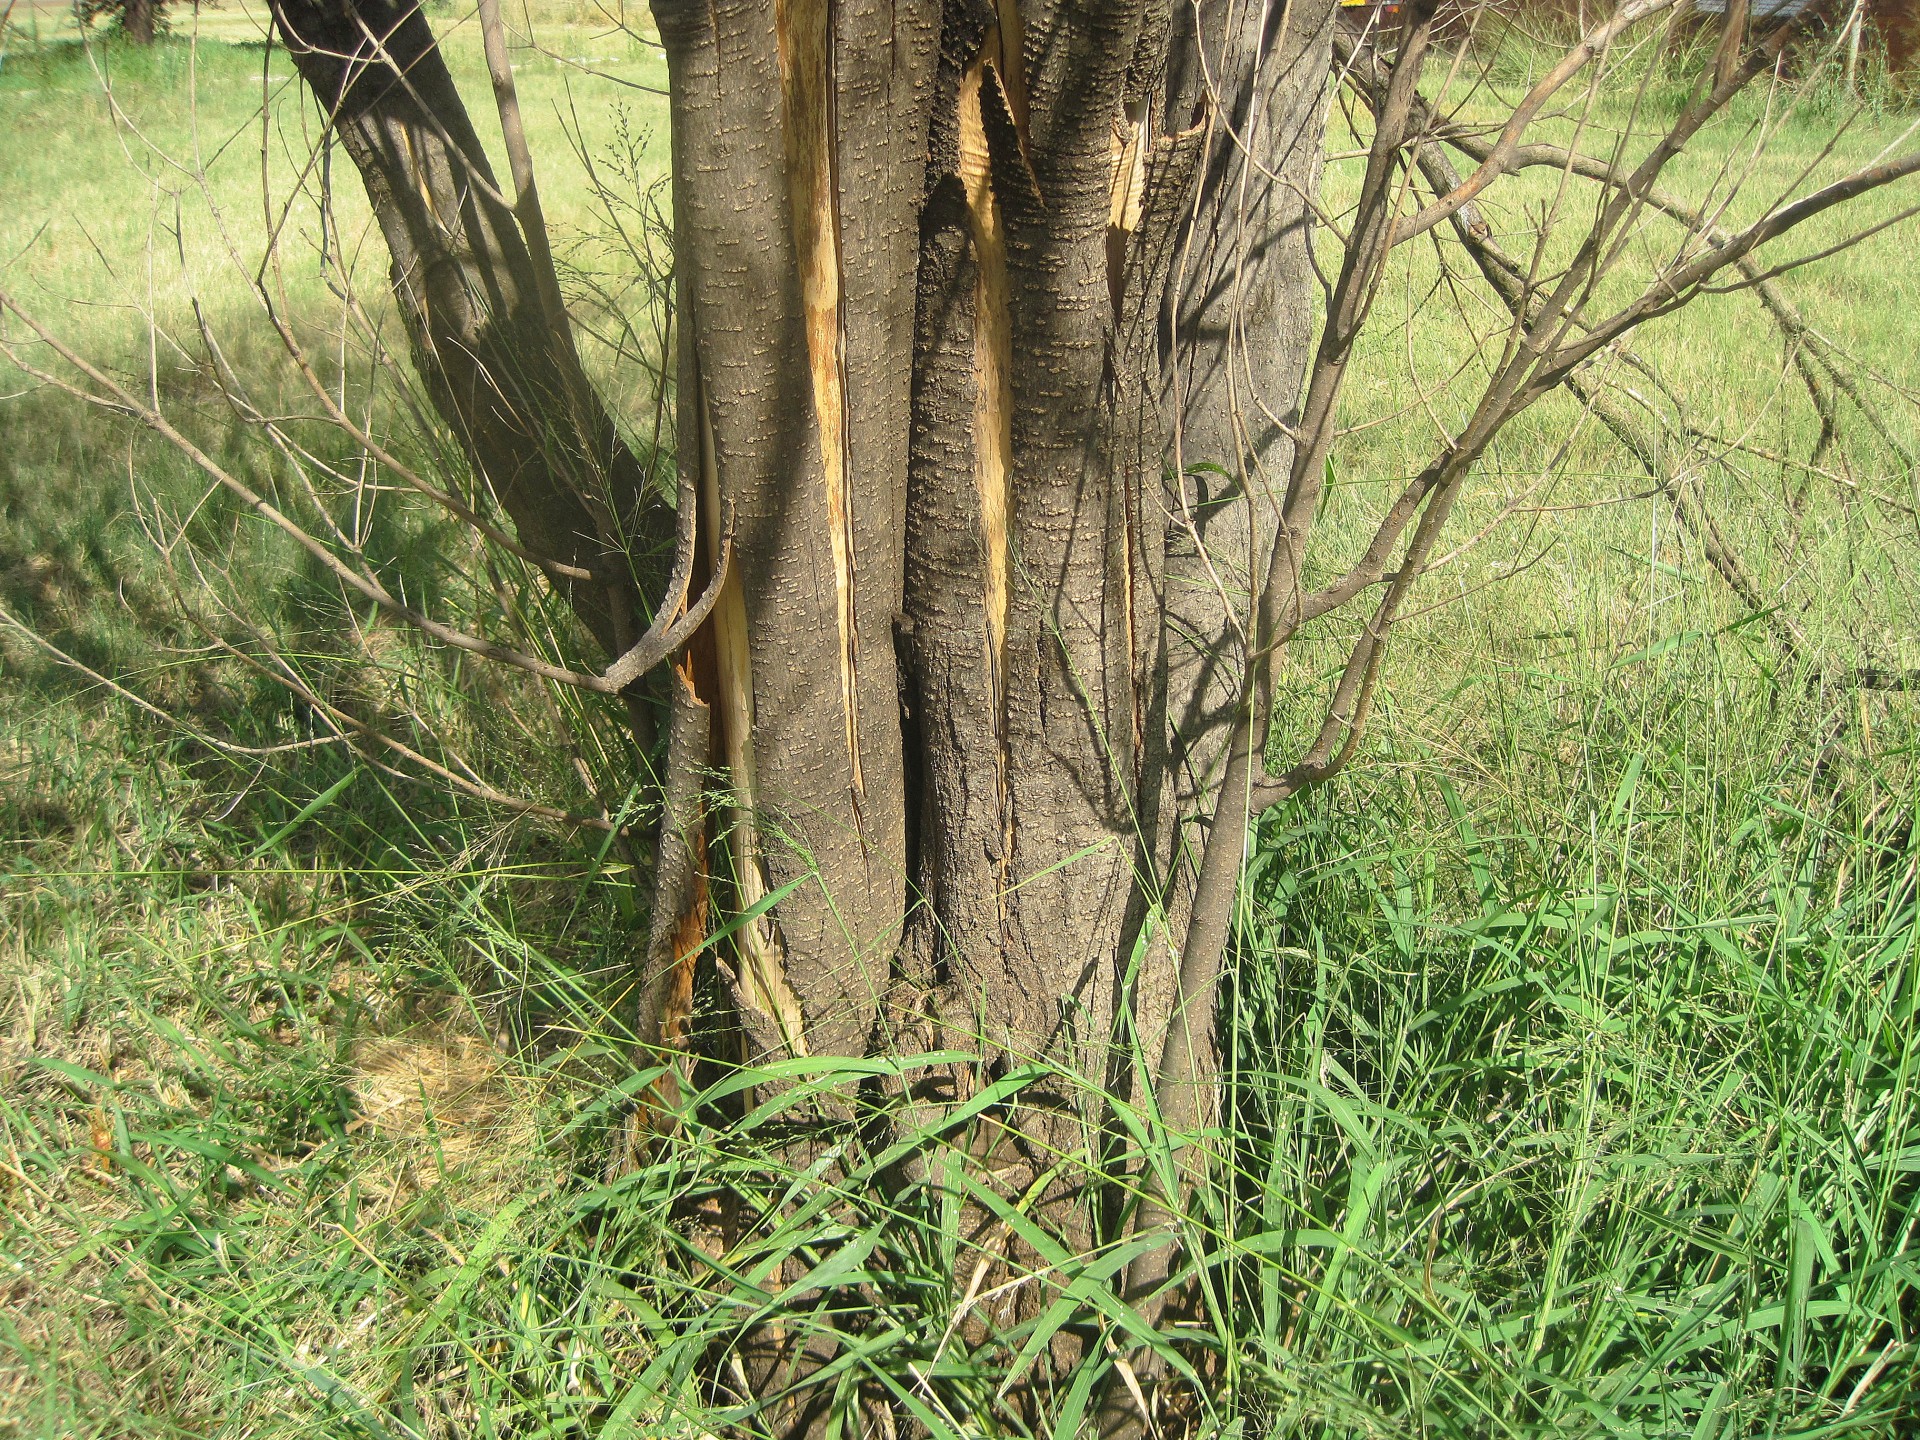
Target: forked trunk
945, 274
990, 323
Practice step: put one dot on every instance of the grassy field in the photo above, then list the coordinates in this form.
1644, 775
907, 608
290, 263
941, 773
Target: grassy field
1573, 1034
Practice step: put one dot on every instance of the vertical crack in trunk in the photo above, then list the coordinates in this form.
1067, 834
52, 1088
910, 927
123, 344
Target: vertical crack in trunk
993, 390
801, 344
680, 897
770, 1009
1007, 45
802, 28
1127, 192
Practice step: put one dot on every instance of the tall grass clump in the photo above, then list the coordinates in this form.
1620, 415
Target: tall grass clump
1604, 1126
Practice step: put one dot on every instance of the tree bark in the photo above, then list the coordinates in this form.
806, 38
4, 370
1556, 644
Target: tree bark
794, 255
956, 286
1005, 571
1240, 315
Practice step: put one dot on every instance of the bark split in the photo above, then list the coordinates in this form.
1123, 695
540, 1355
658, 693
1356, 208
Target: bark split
953, 281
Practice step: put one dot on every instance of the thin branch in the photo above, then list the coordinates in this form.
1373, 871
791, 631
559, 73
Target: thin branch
1675, 286
283, 674
651, 649
1502, 153
362, 437
139, 702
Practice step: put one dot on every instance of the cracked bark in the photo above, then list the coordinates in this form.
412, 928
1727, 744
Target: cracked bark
810, 703
945, 273
937, 392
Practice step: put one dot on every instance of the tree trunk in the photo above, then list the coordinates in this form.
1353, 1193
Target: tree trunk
961, 635
796, 319
1240, 304
138, 21
959, 446
959, 292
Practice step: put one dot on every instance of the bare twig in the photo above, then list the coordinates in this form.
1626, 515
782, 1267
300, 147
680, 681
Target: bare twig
666, 635
139, 702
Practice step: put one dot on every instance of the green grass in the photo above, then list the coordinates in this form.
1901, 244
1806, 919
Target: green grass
1572, 1031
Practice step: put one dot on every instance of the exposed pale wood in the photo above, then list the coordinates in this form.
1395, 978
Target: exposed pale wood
993, 399
794, 251
806, 84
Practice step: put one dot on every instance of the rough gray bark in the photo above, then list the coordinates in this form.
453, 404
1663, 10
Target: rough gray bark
1240, 316
1061, 749
1023, 543
1009, 538
808, 696
835, 165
